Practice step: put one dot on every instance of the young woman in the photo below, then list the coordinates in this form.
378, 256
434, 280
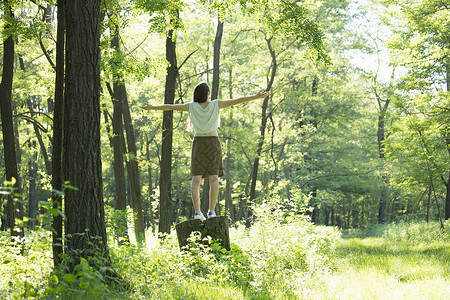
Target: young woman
206, 155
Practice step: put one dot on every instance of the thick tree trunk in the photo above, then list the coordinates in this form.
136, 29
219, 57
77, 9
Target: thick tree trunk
165, 181
58, 120
216, 228
84, 206
264, 118
15, 209
116, 140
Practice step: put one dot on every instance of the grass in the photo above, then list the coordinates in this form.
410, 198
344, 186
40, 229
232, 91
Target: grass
394, 265
277, 258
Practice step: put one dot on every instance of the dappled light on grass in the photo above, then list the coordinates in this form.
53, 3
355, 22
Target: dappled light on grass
279, 257
276, 258
392, 266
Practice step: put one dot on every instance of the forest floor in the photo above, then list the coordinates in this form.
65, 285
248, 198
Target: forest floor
378, 268
295, 260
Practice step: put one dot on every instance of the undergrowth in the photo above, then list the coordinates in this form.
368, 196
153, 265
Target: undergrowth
281, 256
274, 259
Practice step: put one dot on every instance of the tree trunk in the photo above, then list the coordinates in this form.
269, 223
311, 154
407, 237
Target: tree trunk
116, 140
204, 201
383, 195
216, 228
32, 174
229, 208
381, 136
150, 187
48, 164
216, 62
37, 132
58, 121
84, 207
165, 179
447, 199
133, 168
262, 132
447, 140
14, 207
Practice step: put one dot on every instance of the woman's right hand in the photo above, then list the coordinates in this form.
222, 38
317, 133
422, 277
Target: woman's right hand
262, 94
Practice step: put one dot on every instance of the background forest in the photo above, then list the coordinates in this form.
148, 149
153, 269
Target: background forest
354, 133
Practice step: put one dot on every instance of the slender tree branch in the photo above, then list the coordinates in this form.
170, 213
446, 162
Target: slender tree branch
46, 53
187, 58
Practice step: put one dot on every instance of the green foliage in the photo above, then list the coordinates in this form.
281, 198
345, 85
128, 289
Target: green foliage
19, 270
272, 260
117, 223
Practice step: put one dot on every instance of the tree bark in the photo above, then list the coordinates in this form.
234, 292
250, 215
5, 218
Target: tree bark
58, 120
32, 174
313, 203
447, 140
15, 208
117, 138
264, 118
133, 168
216, 59
150, 187
381, 136
85, 224
204, 201
165, 181
229, 208
383, 195
447, 199
216, 228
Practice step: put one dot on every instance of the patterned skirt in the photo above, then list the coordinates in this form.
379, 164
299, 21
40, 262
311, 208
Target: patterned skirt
206, 156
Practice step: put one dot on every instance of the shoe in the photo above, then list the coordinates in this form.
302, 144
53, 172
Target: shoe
199, 216
211, 214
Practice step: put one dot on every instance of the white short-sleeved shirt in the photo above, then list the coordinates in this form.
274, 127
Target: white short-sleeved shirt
204, 120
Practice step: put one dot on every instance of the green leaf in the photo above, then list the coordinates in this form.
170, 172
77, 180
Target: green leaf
69, 278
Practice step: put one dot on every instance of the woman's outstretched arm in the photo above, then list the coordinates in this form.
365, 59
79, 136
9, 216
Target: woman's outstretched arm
177, 107
231, 102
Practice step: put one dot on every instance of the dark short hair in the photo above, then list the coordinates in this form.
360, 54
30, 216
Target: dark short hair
201, 92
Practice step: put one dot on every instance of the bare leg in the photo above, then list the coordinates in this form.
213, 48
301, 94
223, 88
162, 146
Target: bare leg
213, 191
195, 191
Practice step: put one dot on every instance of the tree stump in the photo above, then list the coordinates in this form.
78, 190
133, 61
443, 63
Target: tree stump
216, 228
